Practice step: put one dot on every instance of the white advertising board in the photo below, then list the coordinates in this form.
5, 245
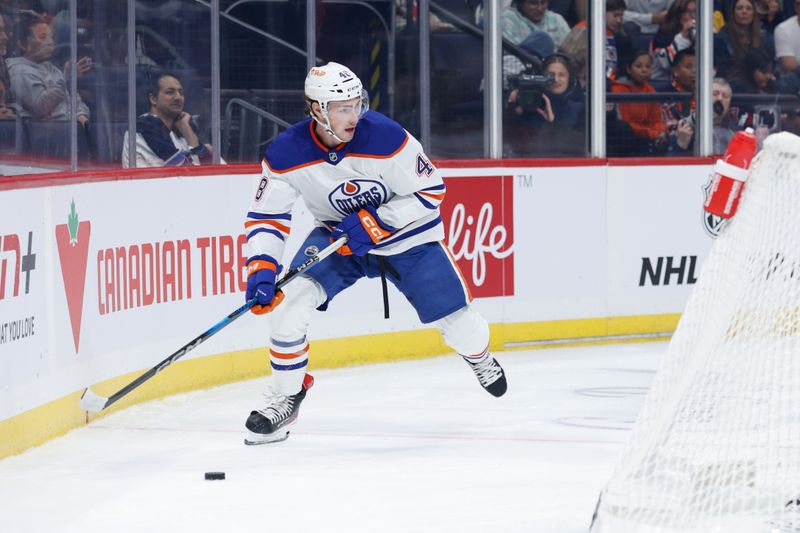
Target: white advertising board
127, 271
26, 273
656, 237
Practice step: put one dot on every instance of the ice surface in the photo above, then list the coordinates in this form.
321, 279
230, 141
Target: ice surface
406, 447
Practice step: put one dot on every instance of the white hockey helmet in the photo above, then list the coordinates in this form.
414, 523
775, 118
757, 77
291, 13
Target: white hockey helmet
334, 82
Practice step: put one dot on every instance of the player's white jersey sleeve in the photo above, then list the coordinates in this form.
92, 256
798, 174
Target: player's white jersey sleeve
269, 220
417, 185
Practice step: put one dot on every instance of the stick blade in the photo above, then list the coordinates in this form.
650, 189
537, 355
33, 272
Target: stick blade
92, 402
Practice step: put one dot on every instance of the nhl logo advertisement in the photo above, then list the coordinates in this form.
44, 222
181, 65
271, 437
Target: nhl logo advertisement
658, 239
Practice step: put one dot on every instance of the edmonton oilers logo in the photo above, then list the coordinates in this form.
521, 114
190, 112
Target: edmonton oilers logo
712, 224
354, 194
311, 251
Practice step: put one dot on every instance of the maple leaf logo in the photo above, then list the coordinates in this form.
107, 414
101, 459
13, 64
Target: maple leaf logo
72, 225
73, 254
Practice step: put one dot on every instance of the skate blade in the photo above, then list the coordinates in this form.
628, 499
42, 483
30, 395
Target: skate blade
254, 439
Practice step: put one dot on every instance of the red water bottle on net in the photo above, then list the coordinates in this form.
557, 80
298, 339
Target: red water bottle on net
730, 174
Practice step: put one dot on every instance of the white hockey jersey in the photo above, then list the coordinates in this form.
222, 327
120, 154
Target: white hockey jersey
383, 166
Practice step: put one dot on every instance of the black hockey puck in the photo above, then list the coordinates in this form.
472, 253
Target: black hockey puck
215, 475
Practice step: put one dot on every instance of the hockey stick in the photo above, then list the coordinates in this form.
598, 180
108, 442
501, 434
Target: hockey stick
95, 403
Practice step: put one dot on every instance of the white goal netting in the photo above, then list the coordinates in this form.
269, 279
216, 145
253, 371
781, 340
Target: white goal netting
716, 446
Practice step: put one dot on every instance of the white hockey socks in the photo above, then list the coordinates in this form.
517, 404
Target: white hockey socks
288, 347
467, 332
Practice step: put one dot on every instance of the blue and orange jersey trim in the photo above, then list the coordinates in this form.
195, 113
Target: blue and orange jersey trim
376, 137
431, 197
279, 225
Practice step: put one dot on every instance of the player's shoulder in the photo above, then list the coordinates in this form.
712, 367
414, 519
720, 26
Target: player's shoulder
378, 136
291, 149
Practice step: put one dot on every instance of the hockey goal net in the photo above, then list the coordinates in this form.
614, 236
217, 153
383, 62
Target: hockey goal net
716, 446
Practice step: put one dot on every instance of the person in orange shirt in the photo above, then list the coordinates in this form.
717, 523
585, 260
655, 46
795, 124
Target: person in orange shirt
644, 118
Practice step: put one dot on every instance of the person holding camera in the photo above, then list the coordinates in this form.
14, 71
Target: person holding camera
724, 126
557, 96
548, 110
680, 115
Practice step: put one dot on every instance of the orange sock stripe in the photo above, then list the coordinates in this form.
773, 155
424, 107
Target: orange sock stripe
294, 355
481, 354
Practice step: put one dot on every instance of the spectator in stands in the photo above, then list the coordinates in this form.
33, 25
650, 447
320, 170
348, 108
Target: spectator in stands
526, 16
755, 77
166, 135
6, 112
788, 9
644, 117
754, 74
675, 34
742, 32
770, 13
724, 126
618, 44
642, 18
563, 101
576, 47
787, 41
680, 116
38, 85
556, 124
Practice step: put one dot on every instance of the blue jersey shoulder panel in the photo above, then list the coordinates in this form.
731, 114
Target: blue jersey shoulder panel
292, 148
377, 135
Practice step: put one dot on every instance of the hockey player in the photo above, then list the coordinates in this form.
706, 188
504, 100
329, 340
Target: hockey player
361, 175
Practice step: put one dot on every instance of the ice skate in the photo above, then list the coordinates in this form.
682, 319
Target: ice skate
490, 375
271, 424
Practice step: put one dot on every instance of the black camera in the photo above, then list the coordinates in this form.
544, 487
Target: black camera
531, 86
766, 118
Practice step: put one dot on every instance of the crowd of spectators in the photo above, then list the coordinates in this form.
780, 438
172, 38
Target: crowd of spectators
650, 48
650, 67
35, 94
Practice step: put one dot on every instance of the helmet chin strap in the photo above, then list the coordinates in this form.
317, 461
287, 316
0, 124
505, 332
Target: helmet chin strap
326, 124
